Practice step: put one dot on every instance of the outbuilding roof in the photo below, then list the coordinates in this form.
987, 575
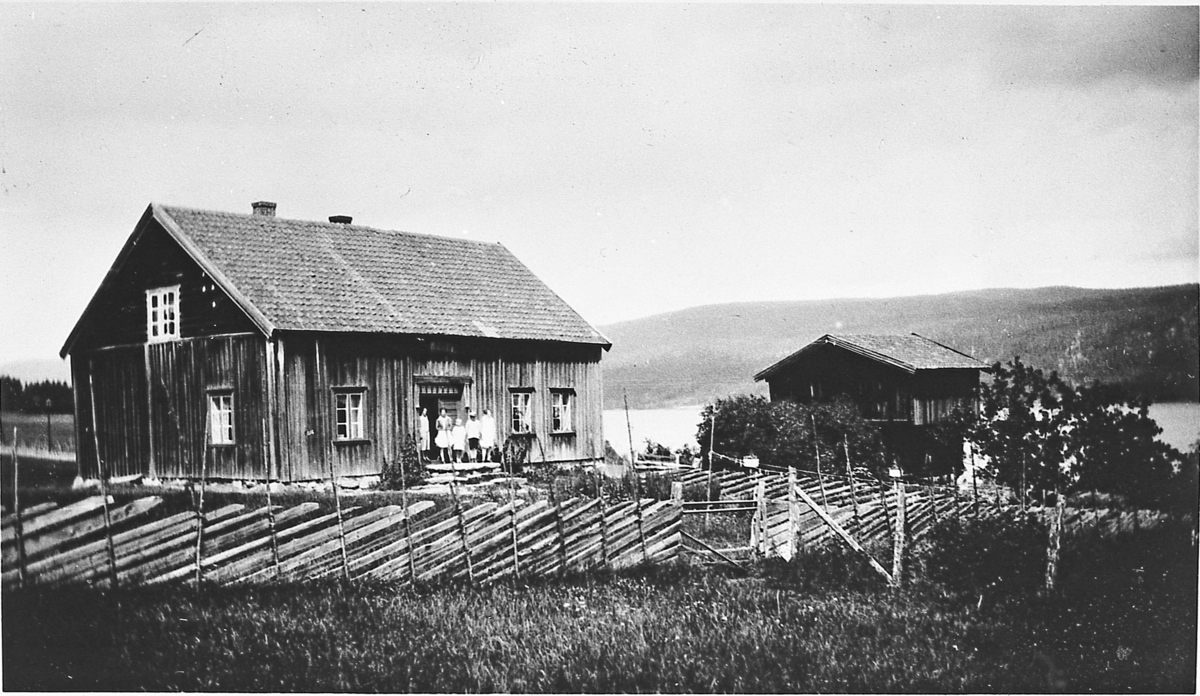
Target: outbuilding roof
909, 353
300, 275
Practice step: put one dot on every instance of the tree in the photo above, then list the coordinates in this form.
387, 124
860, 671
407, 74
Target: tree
1020, 428
780, 433
1041, 433
1112, 437
35, 397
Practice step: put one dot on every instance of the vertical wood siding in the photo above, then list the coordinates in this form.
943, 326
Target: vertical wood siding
181, 375
157, 397
388, 369
118, 380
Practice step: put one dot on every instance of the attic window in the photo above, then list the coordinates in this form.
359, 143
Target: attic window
162, 314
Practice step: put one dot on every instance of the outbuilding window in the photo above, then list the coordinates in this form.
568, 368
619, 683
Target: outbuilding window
162, 314
349, 414
220, 418
561, 407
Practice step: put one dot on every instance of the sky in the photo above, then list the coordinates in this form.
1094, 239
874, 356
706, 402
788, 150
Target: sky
639, 158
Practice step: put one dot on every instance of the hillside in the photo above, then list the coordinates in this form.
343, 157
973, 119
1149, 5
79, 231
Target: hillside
1145, 338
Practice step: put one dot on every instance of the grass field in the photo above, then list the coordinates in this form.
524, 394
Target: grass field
31, 430
970, 620
825, 623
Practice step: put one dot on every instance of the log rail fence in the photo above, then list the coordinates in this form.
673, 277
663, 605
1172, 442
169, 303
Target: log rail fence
802, 509
96, 542
230, 545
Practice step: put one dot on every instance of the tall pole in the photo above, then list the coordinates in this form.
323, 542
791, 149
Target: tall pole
898, 539
974, 485
18, 525
712, 438
637, 490
270, 510
1022, 483
100, 470
853, 491
200, 504
817, 451
628, 428
337, 506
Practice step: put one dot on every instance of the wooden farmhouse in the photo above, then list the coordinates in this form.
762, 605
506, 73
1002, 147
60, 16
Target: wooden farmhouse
902, 383
281, 346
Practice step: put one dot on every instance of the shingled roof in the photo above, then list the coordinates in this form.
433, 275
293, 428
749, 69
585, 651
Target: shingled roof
299, 275
909, 353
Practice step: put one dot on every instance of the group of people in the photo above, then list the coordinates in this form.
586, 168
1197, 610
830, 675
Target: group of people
456, 441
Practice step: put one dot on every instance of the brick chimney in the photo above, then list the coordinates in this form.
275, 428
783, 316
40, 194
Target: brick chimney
263, 208
340, 219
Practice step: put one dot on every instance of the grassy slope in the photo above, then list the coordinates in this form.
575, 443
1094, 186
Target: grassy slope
825, 624
1145, 337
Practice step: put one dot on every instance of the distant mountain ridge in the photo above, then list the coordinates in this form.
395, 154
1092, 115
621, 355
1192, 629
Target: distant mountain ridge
1144, 338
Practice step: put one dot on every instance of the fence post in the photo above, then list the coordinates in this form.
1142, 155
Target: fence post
562, 537
853, 488
462, 531
200, 502
100, 471
887, 517
271, 509
412, 552
677, 493
974, 483
793, 513
932, 491
18, 525
603, 531
1055, 541
337, 504
817, 451
760, 499
641, 529
712, 438
898, 539
637, 489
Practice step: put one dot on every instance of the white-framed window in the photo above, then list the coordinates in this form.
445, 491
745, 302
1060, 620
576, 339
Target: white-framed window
522, 411
560, 410
162, 314
348, 414
220, 418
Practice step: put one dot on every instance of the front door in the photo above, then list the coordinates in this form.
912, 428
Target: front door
435, 397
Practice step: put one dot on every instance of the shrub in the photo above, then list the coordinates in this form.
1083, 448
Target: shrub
828, 568
781, 433
996, 555
405, 472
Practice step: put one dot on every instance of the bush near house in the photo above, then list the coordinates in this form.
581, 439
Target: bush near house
781, 433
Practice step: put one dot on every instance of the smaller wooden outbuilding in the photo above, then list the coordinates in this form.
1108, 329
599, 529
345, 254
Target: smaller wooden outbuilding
903, 383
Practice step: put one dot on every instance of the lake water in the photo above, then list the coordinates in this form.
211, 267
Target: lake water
673, 427
1180, 423
676, 427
